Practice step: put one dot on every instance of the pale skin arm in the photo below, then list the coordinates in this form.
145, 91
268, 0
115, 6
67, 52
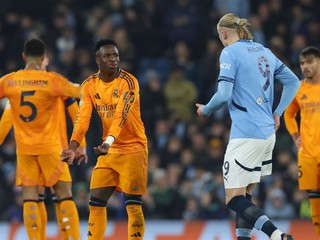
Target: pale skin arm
297, 139
276, 122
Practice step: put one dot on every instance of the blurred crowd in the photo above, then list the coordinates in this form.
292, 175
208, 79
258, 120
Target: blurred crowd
172, 47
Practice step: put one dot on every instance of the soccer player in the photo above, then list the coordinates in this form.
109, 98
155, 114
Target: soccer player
72, 108
34, 95
246, 83
122, 166
307, 136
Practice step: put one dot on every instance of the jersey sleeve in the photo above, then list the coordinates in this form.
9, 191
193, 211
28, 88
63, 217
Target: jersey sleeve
128, 95
82, 121
73, 109
5, 123
290, 117
228, 66
291, 85
2, 85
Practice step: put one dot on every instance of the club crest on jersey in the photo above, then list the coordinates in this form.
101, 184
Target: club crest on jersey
115, 93
259, 100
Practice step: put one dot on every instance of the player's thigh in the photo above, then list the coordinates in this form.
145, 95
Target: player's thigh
102, 174
51, 167
308, 173
133, 171
28, 170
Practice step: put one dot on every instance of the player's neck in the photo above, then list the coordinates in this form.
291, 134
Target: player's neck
314, 80
108, 76
32, 65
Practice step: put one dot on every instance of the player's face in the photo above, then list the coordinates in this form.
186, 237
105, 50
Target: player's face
309, 65
108, 58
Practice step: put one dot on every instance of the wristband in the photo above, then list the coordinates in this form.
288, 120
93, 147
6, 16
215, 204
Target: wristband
109, 140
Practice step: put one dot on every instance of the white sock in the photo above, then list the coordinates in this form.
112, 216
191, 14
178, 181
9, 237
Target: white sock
276, 235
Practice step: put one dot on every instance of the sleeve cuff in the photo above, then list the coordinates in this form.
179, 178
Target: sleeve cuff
109, 140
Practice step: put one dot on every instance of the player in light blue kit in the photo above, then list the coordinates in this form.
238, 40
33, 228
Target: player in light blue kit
246, 83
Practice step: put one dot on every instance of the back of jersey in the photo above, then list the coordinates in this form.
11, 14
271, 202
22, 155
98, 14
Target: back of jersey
34, 97
252, 68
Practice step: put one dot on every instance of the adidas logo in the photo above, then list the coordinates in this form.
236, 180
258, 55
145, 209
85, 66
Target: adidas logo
97, 96
304, 97
138, 234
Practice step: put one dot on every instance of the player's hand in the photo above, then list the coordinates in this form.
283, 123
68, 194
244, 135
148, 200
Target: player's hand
68, 156
276, 122
298, 142
81, 155
102, 149
199, 110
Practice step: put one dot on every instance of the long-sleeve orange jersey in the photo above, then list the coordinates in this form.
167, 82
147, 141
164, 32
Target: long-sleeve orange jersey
118, 105
34, 97
307, 101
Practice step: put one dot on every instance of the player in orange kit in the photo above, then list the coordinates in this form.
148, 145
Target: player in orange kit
34, 95
122, 166
72, 108
307, 135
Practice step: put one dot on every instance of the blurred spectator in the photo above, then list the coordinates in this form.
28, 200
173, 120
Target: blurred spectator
181, 94
277, 206
153, 102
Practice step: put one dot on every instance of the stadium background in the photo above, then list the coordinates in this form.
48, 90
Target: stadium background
173, 48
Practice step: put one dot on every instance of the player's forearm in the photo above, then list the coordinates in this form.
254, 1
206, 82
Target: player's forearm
295, 136
73, 145
291, 85
221, 97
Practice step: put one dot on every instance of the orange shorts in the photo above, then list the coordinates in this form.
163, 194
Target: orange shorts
309, 173
41, 170
127, 172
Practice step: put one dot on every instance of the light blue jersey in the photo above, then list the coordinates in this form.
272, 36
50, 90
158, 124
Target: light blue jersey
246, 82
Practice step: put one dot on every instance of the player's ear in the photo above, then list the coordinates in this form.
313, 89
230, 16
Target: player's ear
97, 60
225, 35
23, 56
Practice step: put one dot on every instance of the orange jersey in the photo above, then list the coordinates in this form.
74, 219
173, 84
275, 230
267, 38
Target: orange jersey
72, 107
307, 101
34, 97
118, 105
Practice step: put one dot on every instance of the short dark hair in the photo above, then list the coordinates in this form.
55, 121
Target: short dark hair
34, 47
102, 43
310, 51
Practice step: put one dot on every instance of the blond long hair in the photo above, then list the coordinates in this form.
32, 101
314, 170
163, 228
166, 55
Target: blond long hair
231, 20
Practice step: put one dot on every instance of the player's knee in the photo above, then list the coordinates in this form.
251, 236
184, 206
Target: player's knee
97, 202
131, 199
62, 190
